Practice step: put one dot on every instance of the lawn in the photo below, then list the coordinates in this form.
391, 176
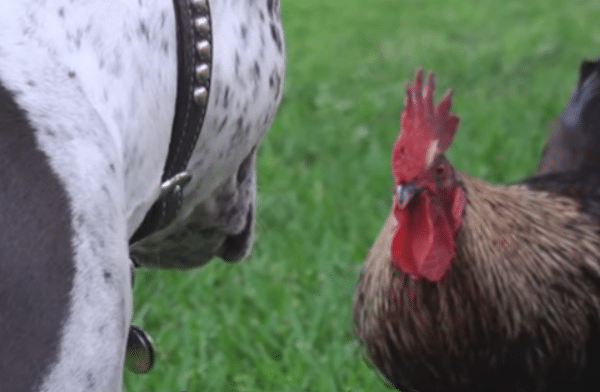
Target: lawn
280, 321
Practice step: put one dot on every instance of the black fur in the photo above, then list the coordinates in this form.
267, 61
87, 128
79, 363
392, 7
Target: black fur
36, 258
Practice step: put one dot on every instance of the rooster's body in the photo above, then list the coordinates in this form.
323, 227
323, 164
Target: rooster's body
475, 287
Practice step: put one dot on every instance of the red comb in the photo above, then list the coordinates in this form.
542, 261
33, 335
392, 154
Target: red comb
422, 125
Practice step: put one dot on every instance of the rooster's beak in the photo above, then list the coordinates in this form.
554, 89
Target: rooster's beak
405, 193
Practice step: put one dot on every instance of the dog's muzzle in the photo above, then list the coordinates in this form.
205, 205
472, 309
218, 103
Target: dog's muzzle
222, 225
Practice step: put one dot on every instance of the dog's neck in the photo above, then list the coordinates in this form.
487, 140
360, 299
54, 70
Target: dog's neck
194, 56
193, 80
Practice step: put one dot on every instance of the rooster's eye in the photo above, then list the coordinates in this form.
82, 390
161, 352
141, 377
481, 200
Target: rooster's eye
440, 170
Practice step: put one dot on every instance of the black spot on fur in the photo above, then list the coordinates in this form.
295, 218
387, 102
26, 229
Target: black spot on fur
244, 32
238, 135
91, 381
222, 125
270, 6
75, 39
163, 18
266, 120
226, 97
107, 276
236, 64
276, 37
50, 132
143, 30
256, 70
31, 83
36, 257
72, 74
164, 46
261, 15
275, 82
263, 42
61, 12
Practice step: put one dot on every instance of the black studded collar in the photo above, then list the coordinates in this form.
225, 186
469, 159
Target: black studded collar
194, 56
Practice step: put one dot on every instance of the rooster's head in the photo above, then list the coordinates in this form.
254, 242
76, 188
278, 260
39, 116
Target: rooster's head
429, 200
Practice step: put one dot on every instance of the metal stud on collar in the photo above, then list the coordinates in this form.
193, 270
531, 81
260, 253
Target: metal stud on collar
202, 73
202, 25
200, 5
200, 96
202, 28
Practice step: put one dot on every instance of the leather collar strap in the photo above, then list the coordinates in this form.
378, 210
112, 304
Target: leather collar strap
194, 58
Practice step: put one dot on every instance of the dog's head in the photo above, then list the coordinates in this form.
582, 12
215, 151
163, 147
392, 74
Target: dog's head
221, 224
218, 212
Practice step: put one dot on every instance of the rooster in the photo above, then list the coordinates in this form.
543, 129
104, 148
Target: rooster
574, 143
479, 287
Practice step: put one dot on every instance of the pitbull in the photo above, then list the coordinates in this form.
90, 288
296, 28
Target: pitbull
128, 131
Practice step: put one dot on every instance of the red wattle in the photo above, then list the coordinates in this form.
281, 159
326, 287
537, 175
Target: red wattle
423, 244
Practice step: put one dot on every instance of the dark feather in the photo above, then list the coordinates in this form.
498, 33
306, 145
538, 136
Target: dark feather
574, 142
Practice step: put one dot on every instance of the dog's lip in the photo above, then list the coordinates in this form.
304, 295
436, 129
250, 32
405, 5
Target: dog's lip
235, 247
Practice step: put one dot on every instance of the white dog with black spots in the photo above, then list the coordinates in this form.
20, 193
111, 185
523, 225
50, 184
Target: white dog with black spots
87, 102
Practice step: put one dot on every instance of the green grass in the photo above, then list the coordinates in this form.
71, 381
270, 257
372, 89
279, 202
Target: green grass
280, 321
